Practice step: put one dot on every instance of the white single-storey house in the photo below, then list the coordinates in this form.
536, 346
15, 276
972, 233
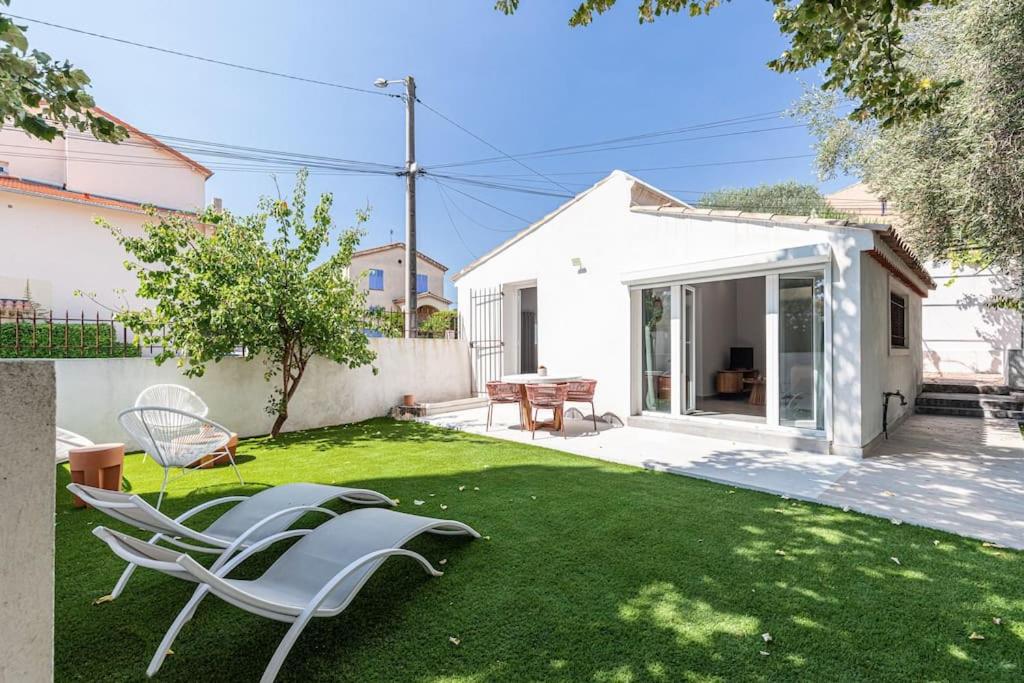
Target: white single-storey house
784, 330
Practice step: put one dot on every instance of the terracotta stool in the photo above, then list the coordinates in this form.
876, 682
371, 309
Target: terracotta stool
101, 466
213, 460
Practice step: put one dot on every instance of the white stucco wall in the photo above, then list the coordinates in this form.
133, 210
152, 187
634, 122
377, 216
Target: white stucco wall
961, 334
58, 243
583, 317
27, 483
133, 170
91, 392
885, 368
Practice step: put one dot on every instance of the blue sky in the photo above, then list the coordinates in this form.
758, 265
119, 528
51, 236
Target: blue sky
523, 83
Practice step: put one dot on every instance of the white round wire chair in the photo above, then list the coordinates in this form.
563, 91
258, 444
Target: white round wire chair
175, 438
66, 440
172, 396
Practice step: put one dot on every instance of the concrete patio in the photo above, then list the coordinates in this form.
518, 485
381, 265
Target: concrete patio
961, 475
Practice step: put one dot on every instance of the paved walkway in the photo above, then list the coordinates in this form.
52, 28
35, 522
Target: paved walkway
963, 475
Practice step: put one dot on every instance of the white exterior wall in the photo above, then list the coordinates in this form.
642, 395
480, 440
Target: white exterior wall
144, 174
133, 170
961, 334
885, 368
394, 277
584, 317
60, 249
91, 392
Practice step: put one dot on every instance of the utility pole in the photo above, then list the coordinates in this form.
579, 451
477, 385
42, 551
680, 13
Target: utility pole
411, 171
410, 209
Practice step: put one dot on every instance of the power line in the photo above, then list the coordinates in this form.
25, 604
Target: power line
718, 123
474, 221
496, 149
440, 192
730, 162
501, 186
199, 58
539, 155
485, 203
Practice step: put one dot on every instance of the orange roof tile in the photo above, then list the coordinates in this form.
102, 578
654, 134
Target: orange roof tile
36, 189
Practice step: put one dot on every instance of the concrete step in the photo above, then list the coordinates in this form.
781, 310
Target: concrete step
979, 412
966, 400
965, 388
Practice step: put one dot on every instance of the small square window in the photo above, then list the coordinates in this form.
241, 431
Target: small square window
376, 279
897, 321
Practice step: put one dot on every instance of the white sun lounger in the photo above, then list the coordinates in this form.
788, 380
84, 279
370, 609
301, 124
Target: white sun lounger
317, 577
254, 517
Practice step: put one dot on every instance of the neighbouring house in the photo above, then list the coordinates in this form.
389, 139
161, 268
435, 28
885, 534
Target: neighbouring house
785, 330
50, 192
382, 272
960, 333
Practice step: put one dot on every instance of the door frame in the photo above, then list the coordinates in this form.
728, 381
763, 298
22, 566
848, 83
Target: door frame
770, 274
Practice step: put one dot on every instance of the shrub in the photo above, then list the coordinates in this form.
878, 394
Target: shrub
59, 340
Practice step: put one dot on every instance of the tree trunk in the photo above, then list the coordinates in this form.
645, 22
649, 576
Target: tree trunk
278, 423
288, 390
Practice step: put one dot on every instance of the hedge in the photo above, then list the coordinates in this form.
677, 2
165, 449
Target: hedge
87, 340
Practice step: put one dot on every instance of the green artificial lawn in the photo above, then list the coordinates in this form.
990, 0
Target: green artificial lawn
592, 572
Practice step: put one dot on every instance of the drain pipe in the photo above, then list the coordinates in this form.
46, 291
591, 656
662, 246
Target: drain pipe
885, 408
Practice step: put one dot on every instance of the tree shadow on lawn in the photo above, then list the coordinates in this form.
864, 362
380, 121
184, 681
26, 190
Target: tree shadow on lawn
592, 572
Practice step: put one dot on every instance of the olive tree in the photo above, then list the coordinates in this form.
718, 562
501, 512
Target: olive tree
956, 177
220, 286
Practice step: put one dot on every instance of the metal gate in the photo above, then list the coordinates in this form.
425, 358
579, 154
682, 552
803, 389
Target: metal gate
485, 340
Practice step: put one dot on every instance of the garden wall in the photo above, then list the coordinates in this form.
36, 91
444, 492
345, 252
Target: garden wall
27, 480
91, 392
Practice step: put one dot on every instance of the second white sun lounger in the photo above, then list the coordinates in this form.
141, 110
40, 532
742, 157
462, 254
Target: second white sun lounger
317, 577
254, 518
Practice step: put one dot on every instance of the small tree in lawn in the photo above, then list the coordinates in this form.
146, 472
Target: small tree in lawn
237, 289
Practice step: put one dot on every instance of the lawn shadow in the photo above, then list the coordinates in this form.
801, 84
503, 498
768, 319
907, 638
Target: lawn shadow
591, 572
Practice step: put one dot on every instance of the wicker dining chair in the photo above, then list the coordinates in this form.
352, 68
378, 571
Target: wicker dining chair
500, 392
546, 397
582, 391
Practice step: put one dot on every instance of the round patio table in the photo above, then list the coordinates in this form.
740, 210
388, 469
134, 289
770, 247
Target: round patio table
526, 410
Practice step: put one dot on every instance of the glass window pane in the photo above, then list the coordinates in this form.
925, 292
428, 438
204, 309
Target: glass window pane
421, 283
801, 349
376, 279
656, 351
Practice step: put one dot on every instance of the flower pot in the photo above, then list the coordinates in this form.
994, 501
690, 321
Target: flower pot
409, 400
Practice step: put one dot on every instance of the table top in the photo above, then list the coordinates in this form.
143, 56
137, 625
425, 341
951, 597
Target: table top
534, 378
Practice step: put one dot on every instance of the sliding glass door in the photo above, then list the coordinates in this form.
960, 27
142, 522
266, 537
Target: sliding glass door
802, 349
656, 349
688, 346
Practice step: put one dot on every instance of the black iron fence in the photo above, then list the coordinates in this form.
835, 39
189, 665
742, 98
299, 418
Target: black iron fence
32, 335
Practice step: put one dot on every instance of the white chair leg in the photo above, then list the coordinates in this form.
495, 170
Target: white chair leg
179, 622
235, 468
163, 487
128, 571
281, 653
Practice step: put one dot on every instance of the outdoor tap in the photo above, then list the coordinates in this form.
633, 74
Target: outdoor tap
885, 408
